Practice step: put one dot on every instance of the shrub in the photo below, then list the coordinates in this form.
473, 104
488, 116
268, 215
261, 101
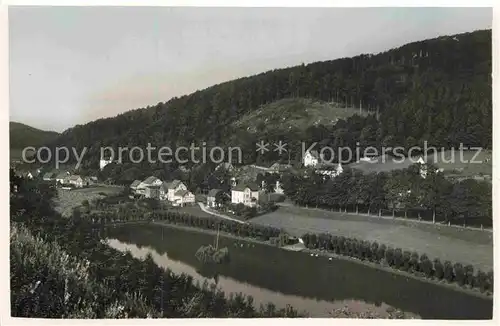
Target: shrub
438, 269
448, 271
459, 272
381, 252
406, 261
389, 256
374, 251
469, 275
398, 258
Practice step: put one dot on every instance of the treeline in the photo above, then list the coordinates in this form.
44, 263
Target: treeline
101, 284
437, 90
434, 198
403, 260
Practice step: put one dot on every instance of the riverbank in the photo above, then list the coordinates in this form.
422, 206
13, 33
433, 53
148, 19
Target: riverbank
324, 254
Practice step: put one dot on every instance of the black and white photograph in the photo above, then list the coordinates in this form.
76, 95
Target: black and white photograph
179, 162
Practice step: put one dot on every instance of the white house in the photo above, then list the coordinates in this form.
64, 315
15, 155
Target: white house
311, 158
278, 189
62, 177
134, 185
183, 198
168, 190
148, 187
150, 181
247, 194
76, 181
212, 197
103, 163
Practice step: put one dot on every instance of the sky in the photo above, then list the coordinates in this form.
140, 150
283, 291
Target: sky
72, 65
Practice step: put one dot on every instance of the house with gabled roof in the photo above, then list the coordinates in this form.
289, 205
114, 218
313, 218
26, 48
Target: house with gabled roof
183, 197
62, 177
311, 158
134, 185
150, 187
75, 180
170, 188
215, 196
246, 193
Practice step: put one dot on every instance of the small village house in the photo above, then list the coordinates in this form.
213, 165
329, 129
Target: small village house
311, 158
214, 196
150, 187
152, 191
103, 163
174, 187
182, 198
134, 185
247, 194
278, 188
62, 178
75, 180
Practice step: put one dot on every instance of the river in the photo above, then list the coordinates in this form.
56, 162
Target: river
314, 284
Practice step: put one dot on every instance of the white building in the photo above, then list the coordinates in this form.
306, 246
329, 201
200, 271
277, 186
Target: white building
247, 194
311, 158
148, 187
183, 198
134, 185
76, 181
278, 189
103, 163
168, 189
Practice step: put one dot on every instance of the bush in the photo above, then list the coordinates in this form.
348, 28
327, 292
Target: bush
438, 269
398, 258
469, 275
459, 272
448, 271
389, 256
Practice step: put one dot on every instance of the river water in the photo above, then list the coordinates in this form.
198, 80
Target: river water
314, 284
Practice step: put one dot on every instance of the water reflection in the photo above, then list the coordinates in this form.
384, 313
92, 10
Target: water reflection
314, 284
317, 308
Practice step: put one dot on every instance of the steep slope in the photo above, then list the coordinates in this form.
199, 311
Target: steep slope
437, 90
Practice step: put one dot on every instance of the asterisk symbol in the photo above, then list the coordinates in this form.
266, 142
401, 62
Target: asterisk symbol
262, 147
280, 147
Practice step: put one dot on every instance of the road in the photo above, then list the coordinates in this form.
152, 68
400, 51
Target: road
206, 210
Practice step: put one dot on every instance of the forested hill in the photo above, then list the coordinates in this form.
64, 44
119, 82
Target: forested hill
22, 135
437, 90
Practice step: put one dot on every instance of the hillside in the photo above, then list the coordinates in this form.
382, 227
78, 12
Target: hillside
22, 135
294, 113
437, 90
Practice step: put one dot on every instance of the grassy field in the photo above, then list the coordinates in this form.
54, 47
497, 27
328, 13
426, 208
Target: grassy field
467, 165
68, 199
454, 163
445, 243
294, 113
